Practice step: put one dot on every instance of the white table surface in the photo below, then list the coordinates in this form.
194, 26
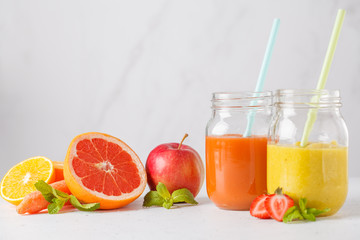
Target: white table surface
204, 221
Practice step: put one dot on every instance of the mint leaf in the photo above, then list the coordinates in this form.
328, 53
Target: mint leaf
45, 189
291, 214
57, 199
290, 211
162, 198
60, 194
183, 195
302, 205
83, 207
304, 212
168, 203
49, 192
55, 207
153, 198
309, 216
317, 212
163, 191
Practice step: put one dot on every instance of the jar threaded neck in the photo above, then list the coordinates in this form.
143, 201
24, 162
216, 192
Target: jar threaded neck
307, 98
241, 100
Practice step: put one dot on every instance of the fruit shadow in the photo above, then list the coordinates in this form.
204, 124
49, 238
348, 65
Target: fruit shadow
65, 209
134, 206
201, 202
137, 205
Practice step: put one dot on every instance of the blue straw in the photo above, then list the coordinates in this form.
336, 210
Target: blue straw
262, 75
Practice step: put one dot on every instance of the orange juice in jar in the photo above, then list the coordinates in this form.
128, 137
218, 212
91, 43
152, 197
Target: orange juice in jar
236, 164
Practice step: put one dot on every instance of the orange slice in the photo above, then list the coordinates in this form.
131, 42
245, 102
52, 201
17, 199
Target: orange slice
20, 179
101, 168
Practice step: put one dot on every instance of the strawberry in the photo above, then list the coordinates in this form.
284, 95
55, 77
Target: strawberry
257, 208
277, 204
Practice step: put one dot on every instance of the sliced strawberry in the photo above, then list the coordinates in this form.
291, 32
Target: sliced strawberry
277, 204
257, 208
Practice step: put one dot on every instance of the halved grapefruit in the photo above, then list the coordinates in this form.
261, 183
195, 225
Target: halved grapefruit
101, 168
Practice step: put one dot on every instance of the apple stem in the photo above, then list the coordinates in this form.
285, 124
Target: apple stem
185, 136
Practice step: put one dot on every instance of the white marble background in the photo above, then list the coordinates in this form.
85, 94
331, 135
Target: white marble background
144, 71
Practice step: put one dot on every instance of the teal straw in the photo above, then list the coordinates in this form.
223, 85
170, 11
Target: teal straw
262, 75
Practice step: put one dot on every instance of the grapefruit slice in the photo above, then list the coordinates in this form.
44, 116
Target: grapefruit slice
20, 179
101, 168
59, 170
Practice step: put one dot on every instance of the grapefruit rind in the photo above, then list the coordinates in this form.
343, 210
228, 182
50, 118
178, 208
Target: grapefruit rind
17, 167
87, 195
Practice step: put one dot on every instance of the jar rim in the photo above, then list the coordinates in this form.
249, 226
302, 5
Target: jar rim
330, 92
241, 100
307, 98
240, 95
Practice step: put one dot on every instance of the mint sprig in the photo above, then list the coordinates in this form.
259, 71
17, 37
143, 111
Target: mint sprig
162, 198
153, 198
183, 195
302, 212
57, 199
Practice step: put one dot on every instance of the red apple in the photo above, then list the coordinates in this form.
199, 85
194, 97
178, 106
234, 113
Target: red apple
175, 165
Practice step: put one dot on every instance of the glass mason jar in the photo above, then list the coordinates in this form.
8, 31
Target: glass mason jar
236, 149
316, 169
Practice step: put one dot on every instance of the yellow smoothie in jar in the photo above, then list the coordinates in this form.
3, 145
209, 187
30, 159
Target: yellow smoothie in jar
317, 172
